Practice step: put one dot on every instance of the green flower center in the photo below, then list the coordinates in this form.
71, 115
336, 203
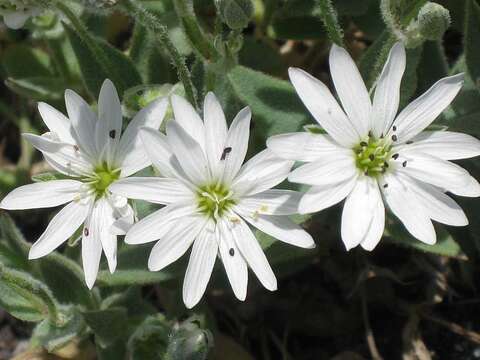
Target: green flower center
102, 178
214, 200
372, 156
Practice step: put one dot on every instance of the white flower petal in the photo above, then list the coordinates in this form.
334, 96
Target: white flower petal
387, 92
351, 89
71, 161
329, 170
91, 253
160, 153
215, 131
271, 202
236, 144
302, 146
153, 189
406, 207
131, 153
445, 145
124, 223
56, 122
421, 112
441, 173
101, 221
377, 227
189, 153
83, 120
262, 172
157, 224
281, 228
233, 261
318, 198
187, 117
359, 210
200, 266
15, 19
108, 127
175, 243
436, 204
324, 108
41, 195
253, 254
60, 228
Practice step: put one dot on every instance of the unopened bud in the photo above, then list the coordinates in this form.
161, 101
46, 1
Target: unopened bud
236, 13
433, 21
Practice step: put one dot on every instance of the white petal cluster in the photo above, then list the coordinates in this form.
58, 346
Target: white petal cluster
210, 198
371, 155
16, 12
91, 152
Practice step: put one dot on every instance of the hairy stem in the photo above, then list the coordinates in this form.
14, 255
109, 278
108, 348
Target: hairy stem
330, 20
194, 32
151, 22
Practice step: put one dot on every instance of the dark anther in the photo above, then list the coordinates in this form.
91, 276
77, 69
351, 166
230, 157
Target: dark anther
385, 186
364, 144
394, 128
395, 156
370, 134
371, 157
76, 148
231, 252
409, 142
385, 164
366, 172
394, 137
225, 152
382, 136
85, 231
112, 134
404, 164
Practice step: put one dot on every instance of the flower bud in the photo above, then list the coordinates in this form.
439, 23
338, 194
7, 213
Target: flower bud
433, 20
236, 13
189, 341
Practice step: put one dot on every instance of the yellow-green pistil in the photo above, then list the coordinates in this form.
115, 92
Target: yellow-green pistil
372, 156
214, 200
102, 178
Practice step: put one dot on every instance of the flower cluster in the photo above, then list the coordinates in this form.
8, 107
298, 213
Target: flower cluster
370, 156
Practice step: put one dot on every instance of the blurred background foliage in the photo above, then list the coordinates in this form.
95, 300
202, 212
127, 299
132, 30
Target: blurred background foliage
406, 300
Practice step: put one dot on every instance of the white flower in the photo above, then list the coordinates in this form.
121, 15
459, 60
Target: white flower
90, 151
210, 197
17, 12
371, 154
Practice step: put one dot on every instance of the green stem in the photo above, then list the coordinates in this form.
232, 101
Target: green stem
33, 290
151, 22
330, 20
194, 32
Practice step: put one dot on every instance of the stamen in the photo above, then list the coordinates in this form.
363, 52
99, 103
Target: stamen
85, 231
404, 164
231, 252
394, 128
395, 156
409, 142
363, 144
394, 137
112, 134
385, 186
225, 152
